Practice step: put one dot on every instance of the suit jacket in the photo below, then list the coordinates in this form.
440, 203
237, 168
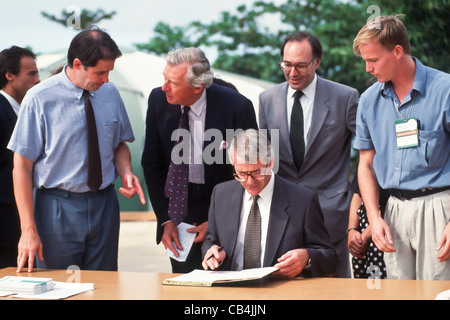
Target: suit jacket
9, 218
295, 222
225, 109
326, 164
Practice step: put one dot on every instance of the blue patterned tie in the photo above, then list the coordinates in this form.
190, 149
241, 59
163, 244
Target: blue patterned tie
297, 131
176, 187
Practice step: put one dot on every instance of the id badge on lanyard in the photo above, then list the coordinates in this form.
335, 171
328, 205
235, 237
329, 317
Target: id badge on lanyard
407, 129
407, 133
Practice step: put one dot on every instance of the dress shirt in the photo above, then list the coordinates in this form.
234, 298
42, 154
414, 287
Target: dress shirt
51, 132
264, 203
307, 101
425, 166
197, 117
14, 104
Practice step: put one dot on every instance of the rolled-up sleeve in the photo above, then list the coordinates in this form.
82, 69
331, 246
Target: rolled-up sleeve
363, 140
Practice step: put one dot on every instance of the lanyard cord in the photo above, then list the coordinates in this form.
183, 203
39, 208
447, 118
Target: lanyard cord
410, 110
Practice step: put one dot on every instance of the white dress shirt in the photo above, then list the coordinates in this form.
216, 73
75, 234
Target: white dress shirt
14, 104
197, 117
264, 203
307, 101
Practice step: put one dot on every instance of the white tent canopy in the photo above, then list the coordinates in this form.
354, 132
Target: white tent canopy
135, 74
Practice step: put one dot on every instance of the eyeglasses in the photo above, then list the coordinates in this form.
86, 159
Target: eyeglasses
256, 175
299, 66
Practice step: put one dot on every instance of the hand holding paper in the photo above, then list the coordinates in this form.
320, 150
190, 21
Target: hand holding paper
183, 242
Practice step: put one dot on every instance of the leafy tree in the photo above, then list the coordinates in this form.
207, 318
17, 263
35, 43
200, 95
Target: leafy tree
166, 39
79, 18
246, 46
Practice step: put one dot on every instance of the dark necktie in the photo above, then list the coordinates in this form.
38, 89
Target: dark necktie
252, 240
93, 153
176, 187
297, 131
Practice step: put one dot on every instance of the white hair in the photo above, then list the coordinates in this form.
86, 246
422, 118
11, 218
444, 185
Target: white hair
199, 71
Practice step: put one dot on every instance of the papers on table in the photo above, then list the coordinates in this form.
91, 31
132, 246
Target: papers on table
53, 289
207, 278
186, 240
443, 295
27, 285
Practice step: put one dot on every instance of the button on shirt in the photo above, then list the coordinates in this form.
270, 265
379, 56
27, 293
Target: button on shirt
51, 132
425, 166
264, 203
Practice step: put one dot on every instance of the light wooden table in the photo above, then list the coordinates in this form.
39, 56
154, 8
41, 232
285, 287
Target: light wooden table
148, 286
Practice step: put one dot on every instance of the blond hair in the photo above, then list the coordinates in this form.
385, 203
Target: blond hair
389, 31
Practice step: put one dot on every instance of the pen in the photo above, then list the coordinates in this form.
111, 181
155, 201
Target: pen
220, 249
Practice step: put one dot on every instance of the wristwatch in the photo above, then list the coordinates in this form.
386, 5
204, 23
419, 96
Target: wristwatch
350, 229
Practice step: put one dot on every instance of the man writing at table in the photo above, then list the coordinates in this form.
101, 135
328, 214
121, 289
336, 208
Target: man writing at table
264, 220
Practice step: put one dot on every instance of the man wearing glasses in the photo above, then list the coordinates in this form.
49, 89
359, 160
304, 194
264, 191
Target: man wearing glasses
284, 219
316, 121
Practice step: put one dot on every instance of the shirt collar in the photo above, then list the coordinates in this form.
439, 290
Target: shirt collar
70, 85
14, 104
420, 81
265, 193
309, 91
199, 106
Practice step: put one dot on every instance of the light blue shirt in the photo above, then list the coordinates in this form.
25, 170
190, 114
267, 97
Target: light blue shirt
51, 132
414, 168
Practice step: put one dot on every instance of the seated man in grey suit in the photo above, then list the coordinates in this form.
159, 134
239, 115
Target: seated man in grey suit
264, 220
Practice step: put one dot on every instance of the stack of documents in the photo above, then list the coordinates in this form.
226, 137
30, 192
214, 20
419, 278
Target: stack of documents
26, 285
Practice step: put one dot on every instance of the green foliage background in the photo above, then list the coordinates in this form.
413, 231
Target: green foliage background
246, 45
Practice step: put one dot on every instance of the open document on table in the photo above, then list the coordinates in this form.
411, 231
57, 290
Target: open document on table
207, 278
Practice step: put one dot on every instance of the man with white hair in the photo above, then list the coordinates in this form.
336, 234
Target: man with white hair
263, 220
188, 90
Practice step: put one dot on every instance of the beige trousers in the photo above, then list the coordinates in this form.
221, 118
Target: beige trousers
417, 226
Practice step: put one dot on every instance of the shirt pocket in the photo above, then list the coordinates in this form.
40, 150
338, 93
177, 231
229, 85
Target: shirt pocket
432, 151
111, 132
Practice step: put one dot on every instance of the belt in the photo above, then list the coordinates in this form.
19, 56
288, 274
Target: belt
410, 194
70, 194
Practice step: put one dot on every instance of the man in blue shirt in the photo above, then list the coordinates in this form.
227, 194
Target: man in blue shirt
403, 134
73, 222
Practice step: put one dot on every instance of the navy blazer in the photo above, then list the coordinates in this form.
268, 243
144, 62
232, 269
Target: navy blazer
9, 218
225, 109
296, 221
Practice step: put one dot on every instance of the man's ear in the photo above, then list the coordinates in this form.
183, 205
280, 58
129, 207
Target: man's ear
197, 90
77, 64
9, 75
398, 51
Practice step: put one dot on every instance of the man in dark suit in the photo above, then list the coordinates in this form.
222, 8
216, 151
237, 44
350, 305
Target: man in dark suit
327, 111
290, 231
18, 73
213, 110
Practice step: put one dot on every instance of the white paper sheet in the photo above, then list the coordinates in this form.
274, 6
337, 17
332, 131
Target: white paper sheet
61, 290
186, 240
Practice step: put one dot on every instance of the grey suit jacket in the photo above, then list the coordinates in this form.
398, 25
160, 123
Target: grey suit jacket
327, 157
296, 221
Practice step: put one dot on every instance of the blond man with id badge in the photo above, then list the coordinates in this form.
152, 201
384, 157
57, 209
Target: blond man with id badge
403, 134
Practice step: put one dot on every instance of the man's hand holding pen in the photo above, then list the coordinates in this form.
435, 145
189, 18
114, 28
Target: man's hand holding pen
213, 257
